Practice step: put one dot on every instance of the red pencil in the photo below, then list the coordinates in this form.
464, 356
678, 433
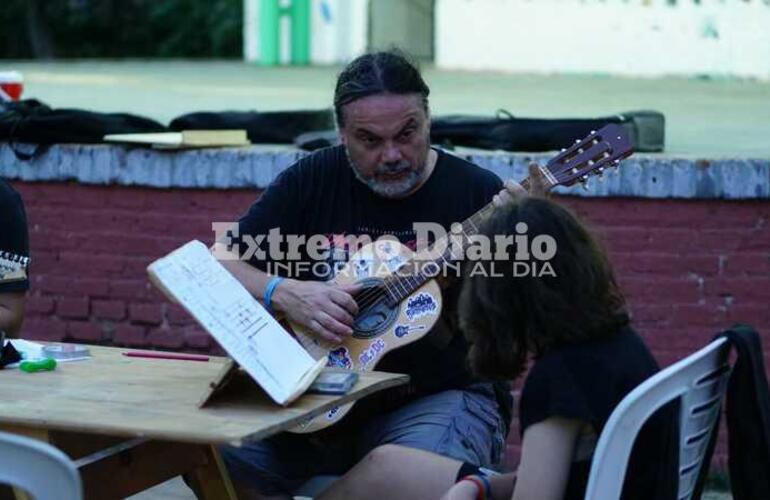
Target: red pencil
165, 355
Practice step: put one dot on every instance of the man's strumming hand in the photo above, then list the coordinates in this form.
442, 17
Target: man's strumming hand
324, 309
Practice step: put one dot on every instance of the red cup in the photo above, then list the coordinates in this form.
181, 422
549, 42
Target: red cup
11, 85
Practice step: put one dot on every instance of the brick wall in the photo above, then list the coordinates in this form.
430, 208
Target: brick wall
90, 248
688, 268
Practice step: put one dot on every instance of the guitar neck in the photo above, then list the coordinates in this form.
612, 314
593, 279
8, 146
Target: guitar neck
399, 287
591, 155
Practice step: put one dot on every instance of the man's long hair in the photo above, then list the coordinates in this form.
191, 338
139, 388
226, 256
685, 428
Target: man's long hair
509, 318
388, 72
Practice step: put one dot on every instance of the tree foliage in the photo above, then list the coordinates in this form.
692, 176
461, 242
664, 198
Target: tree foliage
120, 28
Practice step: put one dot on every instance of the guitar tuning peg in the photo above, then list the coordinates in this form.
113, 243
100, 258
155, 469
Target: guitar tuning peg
563, 149
592, 132
577, 141
615, 163
600, 174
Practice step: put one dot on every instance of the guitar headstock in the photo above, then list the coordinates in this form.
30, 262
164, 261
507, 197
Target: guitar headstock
592, 155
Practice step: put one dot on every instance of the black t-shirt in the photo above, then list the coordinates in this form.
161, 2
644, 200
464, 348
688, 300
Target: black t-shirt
14, 241
321, 195
586, 382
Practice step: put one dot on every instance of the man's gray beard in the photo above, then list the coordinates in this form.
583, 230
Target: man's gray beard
394, 189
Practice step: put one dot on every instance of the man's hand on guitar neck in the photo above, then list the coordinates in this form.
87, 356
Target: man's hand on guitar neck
326, 309
514, 191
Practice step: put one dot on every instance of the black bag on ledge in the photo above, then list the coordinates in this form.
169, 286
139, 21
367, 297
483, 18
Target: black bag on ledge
508, 133
646, 129
31, 121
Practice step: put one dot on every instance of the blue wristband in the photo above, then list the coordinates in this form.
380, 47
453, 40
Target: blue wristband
487, 485
269, 289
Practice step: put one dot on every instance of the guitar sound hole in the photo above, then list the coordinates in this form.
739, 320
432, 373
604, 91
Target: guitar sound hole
375, 315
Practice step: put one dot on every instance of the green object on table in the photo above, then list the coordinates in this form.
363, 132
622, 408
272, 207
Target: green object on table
39, 365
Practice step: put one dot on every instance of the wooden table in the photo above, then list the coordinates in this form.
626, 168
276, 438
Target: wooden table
89, 409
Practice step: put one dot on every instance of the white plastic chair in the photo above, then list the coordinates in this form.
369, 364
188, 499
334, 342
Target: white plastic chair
699, 381
38, 468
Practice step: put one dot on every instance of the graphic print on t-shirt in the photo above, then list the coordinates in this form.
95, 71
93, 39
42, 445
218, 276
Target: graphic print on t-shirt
13, 267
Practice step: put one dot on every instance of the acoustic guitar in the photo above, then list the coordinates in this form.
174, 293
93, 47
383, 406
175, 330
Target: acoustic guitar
400, 300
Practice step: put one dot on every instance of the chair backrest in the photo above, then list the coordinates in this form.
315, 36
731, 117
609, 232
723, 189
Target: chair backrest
38, 468
700, 381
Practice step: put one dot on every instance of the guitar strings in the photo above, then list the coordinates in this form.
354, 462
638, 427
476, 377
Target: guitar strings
371, 296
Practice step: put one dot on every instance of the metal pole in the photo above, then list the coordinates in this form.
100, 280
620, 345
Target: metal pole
300, 32
269, 32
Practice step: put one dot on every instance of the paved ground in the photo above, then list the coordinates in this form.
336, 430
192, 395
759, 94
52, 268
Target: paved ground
177, 490
705, 117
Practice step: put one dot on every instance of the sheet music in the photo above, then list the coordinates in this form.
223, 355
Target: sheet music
249, 334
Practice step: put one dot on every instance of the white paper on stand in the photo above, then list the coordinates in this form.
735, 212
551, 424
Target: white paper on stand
192, 276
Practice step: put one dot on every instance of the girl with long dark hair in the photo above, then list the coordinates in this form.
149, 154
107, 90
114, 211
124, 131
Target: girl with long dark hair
568, 326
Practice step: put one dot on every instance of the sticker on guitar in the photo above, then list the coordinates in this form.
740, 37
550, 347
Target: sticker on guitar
340, 358
421, 305
363, 268
332, 413
371, 352
404, 330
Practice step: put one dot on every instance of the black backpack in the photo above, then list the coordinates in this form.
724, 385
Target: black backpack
646, 130
31, 121
508, 133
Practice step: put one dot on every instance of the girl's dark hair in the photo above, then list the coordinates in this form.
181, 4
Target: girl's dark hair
508, 318
378, 73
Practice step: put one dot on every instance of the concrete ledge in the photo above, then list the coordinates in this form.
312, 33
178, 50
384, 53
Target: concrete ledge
643, 176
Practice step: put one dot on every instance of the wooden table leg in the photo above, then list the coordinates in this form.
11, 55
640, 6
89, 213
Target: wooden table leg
211, 480
137, 465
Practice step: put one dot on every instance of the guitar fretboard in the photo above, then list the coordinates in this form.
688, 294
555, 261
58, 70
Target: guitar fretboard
594, 154
399, 287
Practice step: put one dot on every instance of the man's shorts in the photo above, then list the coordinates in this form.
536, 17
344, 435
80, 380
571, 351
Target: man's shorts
465, 425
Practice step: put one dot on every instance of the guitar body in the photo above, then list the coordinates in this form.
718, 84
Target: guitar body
379, 327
